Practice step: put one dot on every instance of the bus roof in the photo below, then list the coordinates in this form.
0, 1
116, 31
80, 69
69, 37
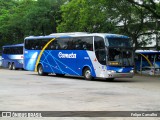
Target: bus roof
147, 51
15, 45
78, 34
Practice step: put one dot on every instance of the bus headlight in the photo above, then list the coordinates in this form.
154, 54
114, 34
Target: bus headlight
111, 71
132, 71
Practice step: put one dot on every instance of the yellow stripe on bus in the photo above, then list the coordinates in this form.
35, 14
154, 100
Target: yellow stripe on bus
39, 57
146, 59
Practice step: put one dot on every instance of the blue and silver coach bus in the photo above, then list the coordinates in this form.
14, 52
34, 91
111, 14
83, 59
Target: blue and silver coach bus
92, 55
12, 56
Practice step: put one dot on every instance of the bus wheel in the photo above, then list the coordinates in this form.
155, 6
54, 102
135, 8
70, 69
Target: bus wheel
13, 66
9, 66
40, 71
87, 74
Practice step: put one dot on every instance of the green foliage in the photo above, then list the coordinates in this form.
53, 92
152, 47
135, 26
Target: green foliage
85, 15
104, 16
20, 18
5, 13
152, 6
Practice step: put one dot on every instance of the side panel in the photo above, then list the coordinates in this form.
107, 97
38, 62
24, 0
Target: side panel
16, 59
99, 69
30, 58
71, 62
66, 61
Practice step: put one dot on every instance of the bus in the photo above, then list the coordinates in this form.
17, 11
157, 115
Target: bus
92, 55
147, 61
12, 56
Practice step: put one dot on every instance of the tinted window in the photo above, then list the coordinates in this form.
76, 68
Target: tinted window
83, 43
60, 44
119, 42
100, 50
77, 43
99, 43
13, 50
65, 43
36, 44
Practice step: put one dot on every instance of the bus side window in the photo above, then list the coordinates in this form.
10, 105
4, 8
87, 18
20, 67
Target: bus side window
56, 44
83, 43
85, 47
158, 57
64, 47
57, 47
77, 46
52, 47
100, 50
88, 43
5, 50
76, 43
70, 44
99, 43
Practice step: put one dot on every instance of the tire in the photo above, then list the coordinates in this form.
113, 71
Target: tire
9, 66
87, 74
13, 66
40, 71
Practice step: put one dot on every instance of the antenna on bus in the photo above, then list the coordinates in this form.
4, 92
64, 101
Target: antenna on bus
69, 33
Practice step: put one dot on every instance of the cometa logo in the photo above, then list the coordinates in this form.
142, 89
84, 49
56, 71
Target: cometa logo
62, 55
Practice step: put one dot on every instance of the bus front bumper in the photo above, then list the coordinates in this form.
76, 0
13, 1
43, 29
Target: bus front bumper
106, 74
120, 75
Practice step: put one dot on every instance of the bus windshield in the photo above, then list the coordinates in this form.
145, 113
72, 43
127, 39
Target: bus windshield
119, 52
118, 56
119, 42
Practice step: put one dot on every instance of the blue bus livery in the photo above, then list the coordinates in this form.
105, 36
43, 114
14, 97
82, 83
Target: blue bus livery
12, 56
82, 54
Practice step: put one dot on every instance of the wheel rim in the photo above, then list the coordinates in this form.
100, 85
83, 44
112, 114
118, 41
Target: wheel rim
10, 66
88, 74
13, 67
40, 70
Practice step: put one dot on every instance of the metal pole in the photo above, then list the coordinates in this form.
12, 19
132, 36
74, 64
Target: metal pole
141, 66
154, 63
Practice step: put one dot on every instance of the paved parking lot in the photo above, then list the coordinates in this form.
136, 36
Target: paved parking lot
26, 91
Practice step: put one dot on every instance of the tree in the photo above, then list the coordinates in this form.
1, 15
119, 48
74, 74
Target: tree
153, 9
131, 20
20, 18
85, 15
106, 16
150, 5
5, 28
